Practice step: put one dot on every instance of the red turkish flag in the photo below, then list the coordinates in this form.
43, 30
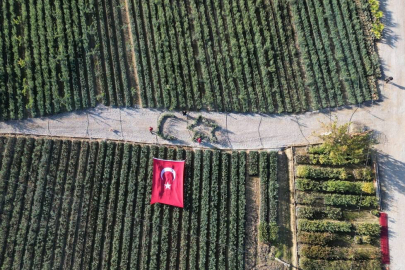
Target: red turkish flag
167, 186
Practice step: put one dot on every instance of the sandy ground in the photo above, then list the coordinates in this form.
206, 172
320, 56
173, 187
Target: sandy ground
254, 131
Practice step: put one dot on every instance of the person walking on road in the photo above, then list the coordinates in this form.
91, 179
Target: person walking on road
151, 130
387, 80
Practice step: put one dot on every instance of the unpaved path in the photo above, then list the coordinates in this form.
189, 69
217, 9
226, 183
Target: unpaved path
253, 131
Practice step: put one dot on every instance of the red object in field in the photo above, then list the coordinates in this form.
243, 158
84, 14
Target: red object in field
167, 186
385, 251
199, 140
150, 129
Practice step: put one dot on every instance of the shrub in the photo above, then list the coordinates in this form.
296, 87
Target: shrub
207, 122
350, 200
344, 147
268, 232
320, 173
377, 26
337, 186
264, 236
302, 159
368, 188
365, 174
317, 149
323, 226
372, 229
273, 231
161, 123
253, 163
319, 212
338, 253
375, 213
308, 198
316, 238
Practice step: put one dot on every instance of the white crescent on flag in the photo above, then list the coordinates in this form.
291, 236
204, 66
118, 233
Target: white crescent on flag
167, 169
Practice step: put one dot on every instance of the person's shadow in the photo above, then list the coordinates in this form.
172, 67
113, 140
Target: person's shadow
398, 86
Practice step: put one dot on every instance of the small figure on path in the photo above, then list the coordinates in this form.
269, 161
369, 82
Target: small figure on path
199, 140
151, 130
387, 80
184, 113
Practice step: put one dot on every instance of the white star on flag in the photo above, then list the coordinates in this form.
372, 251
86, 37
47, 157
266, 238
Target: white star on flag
167, 186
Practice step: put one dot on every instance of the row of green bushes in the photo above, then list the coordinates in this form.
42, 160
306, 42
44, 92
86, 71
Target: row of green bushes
253, 163
10, 217
336, 186
317, 238
337, 199
369, 229
324, 226
268, 229
320, 159
318, 212
339, 253
307, 171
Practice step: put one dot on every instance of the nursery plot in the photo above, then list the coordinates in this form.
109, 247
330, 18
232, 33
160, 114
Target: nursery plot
336, 209
78, 204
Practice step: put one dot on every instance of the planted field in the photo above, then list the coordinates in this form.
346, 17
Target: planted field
254, 55
63, 55
336, 213
245, 55
85, 205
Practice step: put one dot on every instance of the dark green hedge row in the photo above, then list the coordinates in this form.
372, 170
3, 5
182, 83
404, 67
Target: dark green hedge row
268, 229
319, 212
253, 163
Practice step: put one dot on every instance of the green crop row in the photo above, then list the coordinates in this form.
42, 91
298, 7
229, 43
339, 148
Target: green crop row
317, 238
319, 212
312, 172
253, 163
337, 200
268, 229
339, 253
335, 186
323, 226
